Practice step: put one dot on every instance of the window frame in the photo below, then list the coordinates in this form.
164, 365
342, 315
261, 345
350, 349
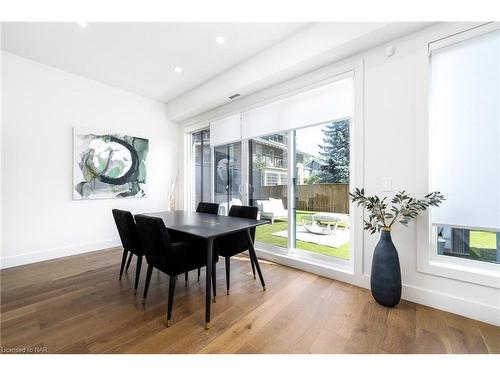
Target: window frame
428, 259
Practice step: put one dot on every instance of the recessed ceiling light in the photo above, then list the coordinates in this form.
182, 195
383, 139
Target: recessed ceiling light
220, 40
177, 70
82, 24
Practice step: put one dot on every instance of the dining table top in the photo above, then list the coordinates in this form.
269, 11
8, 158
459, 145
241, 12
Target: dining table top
202, 224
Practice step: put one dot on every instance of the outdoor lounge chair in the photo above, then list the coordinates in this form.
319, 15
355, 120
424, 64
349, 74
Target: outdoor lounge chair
272, 209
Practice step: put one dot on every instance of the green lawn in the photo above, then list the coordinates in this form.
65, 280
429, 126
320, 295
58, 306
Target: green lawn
264, 234
483, 245
482, 240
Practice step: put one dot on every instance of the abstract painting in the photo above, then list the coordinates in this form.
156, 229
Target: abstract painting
108, 165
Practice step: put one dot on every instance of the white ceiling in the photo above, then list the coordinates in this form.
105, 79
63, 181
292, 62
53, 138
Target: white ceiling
140, 57
318, 45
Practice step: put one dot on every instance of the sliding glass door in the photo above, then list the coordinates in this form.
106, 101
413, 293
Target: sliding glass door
321, 189
310, 217
290, 158
268, 186
227, 176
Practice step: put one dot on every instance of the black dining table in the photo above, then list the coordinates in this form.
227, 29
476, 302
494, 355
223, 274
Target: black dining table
209, 227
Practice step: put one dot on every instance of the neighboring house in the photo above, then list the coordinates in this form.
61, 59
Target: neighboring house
270, 163
314, 166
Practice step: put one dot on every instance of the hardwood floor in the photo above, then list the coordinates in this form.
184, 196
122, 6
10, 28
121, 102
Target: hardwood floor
78, 305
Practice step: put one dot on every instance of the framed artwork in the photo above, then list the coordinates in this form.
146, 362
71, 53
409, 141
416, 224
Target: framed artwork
108, 165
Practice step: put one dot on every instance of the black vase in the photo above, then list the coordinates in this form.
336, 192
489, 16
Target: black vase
385, 279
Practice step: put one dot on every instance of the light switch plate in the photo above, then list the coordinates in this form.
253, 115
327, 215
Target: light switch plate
386, 184
389, 51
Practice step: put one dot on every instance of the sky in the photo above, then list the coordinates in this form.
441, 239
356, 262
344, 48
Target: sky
309, 139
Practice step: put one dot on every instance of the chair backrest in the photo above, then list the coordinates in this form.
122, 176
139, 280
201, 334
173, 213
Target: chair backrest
128, 231
154, 238
248, 212
208, 208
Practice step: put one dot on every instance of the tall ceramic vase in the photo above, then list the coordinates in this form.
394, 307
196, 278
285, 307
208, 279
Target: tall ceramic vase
385, 280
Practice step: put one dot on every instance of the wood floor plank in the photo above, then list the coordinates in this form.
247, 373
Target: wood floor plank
298, 324
491, 336
401, 329
78, 305
464, 335
248, 326
370, 330
431, 331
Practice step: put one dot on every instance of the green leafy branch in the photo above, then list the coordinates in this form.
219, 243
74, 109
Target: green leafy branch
403, 209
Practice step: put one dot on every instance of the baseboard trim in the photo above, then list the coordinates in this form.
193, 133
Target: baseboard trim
40, 256
334, 271
456, 305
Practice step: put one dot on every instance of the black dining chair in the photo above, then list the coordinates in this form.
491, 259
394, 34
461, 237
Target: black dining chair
130, 241
208, 208
236, 243
171, 258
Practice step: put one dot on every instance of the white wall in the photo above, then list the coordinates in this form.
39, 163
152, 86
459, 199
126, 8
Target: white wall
41, 105
391, 120
391, 151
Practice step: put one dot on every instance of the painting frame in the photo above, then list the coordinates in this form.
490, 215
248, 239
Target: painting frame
108, 165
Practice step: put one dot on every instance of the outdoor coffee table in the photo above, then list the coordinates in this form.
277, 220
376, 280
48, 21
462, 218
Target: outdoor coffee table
330, 217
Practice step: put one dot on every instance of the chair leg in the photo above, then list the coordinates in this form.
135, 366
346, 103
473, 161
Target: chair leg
124, 259
128, 261
214, 275
199, 272
228, 272
253, 266
171, 291
148, 279
186, 278
137, 273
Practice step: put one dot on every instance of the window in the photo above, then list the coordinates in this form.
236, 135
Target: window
467, 243
271, 179
465, 147
283, 179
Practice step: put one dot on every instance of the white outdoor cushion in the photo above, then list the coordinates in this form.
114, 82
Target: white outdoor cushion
266, 206
236, 201
276, 206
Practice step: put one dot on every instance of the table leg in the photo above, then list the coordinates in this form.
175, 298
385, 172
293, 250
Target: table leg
255, 260
208, 290
336, 225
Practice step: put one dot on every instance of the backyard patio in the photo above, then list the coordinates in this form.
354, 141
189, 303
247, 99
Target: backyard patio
275, 234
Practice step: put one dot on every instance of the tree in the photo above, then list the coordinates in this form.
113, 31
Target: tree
312, 179
335, 152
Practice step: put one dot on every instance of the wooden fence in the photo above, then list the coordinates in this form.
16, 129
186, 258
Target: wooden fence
315, 197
